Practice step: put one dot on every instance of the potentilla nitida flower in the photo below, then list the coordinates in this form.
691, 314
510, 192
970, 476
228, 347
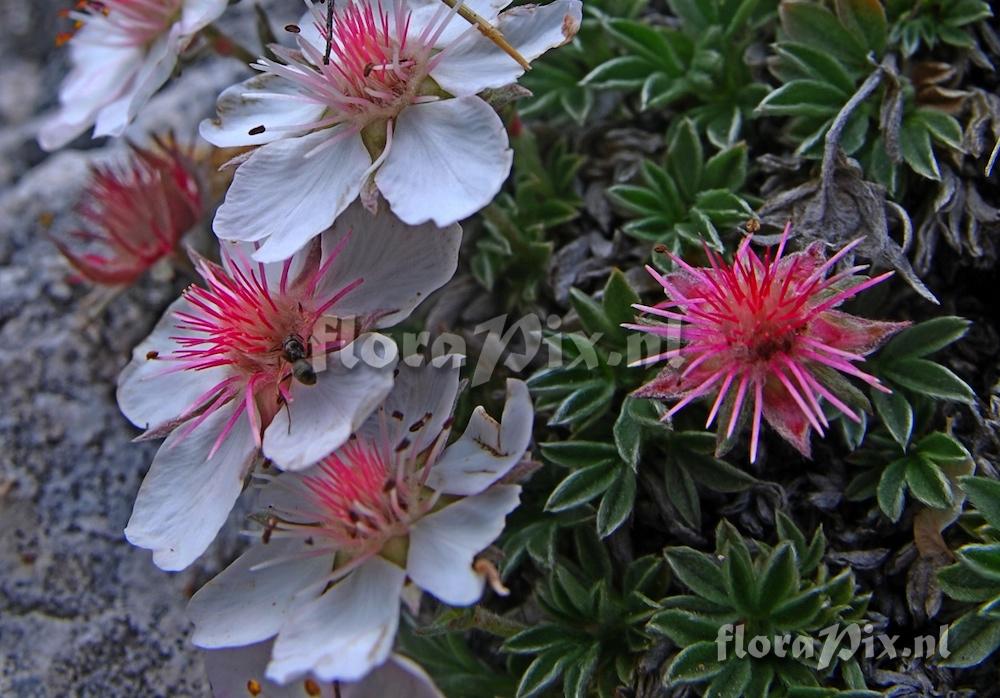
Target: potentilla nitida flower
134, 213
272, 360
343, 539
122, 52
761, 336
385, 102
239, 673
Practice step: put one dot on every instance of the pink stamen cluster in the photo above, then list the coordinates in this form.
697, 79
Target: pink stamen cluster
373, 66
367, 493
243, 321
761, 327
134, 214
132, 22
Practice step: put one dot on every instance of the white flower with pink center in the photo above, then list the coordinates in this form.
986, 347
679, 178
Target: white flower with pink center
272, 360
239, 673
123, 52
342, 538
385, 103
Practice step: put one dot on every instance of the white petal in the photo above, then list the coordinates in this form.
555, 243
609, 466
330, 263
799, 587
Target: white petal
426, 11
400, 265
241, 605
99, 75
397, 678
157, 67
487, 450
187, 496
148, 396
281, 195
474, 63
448, 159
231, 670
444, 544
321, 417
198, 14
240, 111
344, 633
421, 400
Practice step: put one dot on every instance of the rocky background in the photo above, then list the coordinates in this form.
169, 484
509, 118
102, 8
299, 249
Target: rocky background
82, 613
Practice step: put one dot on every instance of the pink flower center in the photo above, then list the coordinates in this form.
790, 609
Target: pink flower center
371, 67
263, 330
131, 22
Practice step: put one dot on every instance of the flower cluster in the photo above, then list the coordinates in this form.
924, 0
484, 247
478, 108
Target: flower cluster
271, 369
763, 336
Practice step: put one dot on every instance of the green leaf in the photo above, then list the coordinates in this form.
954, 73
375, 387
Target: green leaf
808, 23
695, 663
892, 489
962, 583
682, 493
716, 474
739, 577
591, 313
726, 169
799, 611
804, 98
927, 482
931, 379
628, 436
543, 672
685, 158
985, 495
576, 682
650, 42
618, 299
925, 339
778, 578
619, 73
942, 449
686, 627
538, 639
731, 681
896, 413
699, 573
578, 454
866, 20
944, 127
971, 640
982, 559
915, 146
617, 503
582, 486
798, 61
587, 402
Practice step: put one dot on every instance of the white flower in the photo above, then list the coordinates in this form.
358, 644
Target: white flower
394, 110
226, 373
342, 538
239, 673
122, 54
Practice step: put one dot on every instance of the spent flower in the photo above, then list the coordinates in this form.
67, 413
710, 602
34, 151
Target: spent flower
383, 101
762, 333
343, 540
122, 52
134, 213
271, 359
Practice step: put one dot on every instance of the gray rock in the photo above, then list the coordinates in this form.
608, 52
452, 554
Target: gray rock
82, 613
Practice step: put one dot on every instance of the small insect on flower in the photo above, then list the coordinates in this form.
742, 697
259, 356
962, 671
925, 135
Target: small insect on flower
273, 360
376, 98
122, 52
763, 331
394, 504
135, 213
